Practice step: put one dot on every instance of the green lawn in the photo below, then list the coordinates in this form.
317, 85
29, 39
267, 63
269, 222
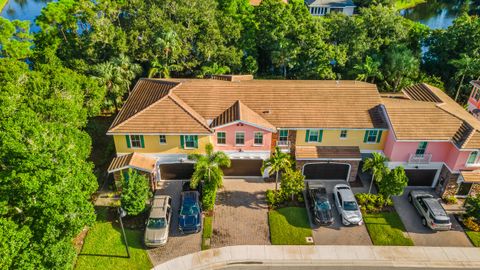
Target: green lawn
104, 248
474, 237
386, 229
289, 226
403, 4
207, 231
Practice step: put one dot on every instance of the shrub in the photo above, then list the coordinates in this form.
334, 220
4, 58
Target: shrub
472, 206
471, 224
293, 183
373, 202
450, 200
135, 192
274, 198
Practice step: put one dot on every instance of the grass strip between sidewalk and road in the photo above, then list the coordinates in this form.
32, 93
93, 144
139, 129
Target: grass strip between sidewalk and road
474, 237
386, 229
104, 248
289, 226
207, 232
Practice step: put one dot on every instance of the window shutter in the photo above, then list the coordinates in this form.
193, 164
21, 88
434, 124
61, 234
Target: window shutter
320, 135
379, 136
182, 142
127, 138
307, 135
195, 141
366, 136
142, 142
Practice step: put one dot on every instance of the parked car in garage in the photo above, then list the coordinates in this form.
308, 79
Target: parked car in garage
432, 212
158, 222
190, 214
319, 204
347, 205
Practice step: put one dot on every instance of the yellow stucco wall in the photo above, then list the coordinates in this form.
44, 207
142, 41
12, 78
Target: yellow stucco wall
331, 137
152, 145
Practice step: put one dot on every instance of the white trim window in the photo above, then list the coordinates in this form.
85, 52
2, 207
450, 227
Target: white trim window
136, 141
221, 138
239, 138
258, 138
162, 139
472, 158
343, 134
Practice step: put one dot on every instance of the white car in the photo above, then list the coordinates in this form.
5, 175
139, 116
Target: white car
347, 205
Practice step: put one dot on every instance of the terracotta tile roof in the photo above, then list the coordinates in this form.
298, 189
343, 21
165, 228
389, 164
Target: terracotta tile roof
419, 120
274, 103
288, 103
471, 176
327, 152
431, 114
240, 112
421, 92
145, 93
168, 115
133, 160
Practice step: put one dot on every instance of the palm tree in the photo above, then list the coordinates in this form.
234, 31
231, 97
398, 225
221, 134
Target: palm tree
208, 167
278, 162
376, 166
117, 75
369, 69
466, 66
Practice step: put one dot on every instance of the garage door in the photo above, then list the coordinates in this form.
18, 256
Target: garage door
176, 171
326, 171
242, 167
420, 177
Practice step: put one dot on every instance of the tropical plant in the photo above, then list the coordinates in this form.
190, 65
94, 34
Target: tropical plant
472, 205
466, 66
368, 69
278, 162
376, 166
292, 184
208, 167
135, 192
393, 183
213, 69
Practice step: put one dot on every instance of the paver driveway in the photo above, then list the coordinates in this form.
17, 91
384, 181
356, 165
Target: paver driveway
424, 236
178, 244
241, 213
337, 233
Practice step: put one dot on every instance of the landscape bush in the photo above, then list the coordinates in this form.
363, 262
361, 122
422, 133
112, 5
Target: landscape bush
135, 192
450, 200
471, 224
373, 202
472, 205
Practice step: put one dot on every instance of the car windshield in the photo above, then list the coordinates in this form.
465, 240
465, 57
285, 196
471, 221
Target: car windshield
323, 205
442, 221
350, 206
156, 223
189, 209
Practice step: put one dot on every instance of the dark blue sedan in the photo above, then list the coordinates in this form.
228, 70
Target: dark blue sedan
190, 214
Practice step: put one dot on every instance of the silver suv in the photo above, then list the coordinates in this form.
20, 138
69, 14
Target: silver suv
432, 212
158, 223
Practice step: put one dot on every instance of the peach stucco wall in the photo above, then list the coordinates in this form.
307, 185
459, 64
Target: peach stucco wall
249, 136
441, 152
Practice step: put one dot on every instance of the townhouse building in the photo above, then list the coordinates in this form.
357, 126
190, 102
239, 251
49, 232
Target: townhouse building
328, 127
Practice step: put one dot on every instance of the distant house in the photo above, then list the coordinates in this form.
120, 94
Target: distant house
323, 7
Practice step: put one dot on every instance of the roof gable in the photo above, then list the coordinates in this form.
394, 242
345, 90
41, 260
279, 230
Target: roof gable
239, 112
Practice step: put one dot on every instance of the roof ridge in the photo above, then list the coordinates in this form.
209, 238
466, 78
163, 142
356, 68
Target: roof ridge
149, 106
188, 110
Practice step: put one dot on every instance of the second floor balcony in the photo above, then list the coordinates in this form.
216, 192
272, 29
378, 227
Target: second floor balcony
420, 158
284, 146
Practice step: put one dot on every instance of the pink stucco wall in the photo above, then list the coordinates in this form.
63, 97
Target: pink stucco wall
441, 152
249, 138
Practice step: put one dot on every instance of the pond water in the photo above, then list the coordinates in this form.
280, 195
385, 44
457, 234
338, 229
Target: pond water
437, 14
24, 10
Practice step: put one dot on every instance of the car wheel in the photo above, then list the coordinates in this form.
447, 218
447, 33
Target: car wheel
424, 222
410, 198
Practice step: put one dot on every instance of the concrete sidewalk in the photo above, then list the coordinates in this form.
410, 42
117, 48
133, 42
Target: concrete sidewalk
328, 257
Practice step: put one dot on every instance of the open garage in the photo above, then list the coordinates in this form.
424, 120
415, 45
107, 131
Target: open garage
419, 177
326, 171
176, 171
244, 167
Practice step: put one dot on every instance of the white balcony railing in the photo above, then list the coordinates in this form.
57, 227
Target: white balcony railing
283, 144
419, 158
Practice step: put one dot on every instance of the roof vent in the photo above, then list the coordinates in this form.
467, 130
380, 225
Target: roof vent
266, 112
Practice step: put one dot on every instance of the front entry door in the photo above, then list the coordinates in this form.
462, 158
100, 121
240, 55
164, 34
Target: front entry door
464, 189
